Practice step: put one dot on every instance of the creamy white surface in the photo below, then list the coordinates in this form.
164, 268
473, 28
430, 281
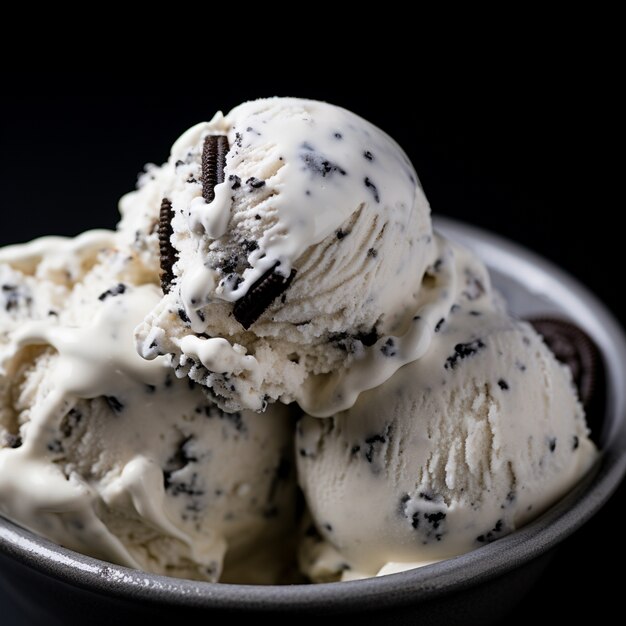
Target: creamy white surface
455, 450
118, 458
449, 424
328, 162
58, 259
308, 186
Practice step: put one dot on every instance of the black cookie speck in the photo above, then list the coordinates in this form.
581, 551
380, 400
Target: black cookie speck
389, 348
55, 446
428, 496
261, 294
495, 533
12, 441
118, 290
353, 343
182, 457
503, 384
249, 245
255, 183
435, 519
462, 351
372, 187
318, 163
70, 421
374, 443
425, 517
371, 443
368, 338
115, 405
474, 287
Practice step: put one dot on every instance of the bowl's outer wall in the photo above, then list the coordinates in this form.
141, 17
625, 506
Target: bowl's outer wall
38, 580
29, 597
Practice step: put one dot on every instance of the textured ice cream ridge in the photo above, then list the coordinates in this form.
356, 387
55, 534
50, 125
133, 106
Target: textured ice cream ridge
454, 451
111, 455
313, 193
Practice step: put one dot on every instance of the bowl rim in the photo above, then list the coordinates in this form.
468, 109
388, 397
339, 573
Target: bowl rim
425, 583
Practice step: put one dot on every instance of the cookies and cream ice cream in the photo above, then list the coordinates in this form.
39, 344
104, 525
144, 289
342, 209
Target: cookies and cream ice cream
454, 451
288, 274
283, 255
112, 455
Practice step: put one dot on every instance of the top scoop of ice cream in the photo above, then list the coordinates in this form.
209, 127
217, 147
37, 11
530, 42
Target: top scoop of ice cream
309, 252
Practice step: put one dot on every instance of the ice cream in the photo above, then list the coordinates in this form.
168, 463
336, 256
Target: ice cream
302, 262
456, 450
112, 455
283, 255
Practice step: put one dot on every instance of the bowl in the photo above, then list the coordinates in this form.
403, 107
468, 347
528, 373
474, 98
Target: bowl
42, 583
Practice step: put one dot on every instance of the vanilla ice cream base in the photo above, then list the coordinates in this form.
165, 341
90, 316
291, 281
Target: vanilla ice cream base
455, 450
453, 270
138, 407
307, 187
367, 167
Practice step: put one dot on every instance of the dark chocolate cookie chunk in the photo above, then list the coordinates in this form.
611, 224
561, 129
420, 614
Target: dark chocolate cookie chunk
573, 347
213, 163
167, 252
262, 293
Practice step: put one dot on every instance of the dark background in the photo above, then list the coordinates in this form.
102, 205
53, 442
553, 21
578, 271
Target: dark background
520, 154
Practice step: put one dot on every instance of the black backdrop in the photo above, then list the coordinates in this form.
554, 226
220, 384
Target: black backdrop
522, 156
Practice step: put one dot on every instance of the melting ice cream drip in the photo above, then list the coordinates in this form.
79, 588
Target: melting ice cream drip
98, 360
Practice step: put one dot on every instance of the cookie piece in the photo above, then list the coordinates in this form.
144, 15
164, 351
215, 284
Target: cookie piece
263, 292
572, 346
213, 162
167, 253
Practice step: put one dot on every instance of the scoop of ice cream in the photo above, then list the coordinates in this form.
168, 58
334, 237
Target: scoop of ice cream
111, 455
35, 282
456, 450
300, 236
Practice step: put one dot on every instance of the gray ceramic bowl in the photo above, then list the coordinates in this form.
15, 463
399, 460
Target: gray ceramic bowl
43, 583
